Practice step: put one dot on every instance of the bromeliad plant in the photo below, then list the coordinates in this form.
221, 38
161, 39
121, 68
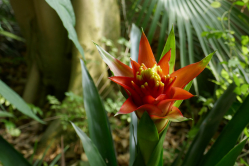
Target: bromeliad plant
155, 92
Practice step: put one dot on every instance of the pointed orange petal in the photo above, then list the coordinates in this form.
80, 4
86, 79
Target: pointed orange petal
116, 66
127, 107
188, 73
148, 99
174, 115
125, 82
164, 62
145, 54
151, 109
135, 67
165, 105
179, 94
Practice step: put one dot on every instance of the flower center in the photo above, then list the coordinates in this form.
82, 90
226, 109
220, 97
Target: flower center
151, 81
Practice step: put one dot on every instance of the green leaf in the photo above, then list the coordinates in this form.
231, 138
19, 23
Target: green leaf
90, 149
240, 3
229, 135
236, 80
216, 4
162, 35
9, 156
170, 44
6, 114
65, 11
187, 88
147, 136
156, 156
11, 35
99, 127
159, 7
209, 126
135, 37
17, 101
139, 160
230, 158
244, 88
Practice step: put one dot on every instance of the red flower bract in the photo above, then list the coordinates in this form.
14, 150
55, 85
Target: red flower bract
149, 85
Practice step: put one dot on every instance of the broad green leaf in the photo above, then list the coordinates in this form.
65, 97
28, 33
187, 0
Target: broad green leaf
99, 128
17, 101
209, 126
135, 37
139, 160
147, 136
9, 156
236, 80
154, 159
170, 44
216, 4
6, 114
229, 135
230, 158
240, 3
90, 149
65, 11
187, 88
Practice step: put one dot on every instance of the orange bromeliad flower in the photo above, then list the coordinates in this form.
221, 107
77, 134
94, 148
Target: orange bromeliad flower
150, 86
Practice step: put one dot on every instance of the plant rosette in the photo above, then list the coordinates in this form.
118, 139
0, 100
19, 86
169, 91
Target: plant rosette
151, 89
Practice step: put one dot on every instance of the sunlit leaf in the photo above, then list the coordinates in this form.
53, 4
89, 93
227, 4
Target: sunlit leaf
17, 101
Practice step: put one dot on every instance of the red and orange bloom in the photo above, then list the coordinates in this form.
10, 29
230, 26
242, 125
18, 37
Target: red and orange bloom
149, 85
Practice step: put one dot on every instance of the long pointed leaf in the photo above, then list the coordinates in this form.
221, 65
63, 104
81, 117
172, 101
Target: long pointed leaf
90, 149
99, 128
231, 157
9, 156
208, 127
17, 101
135, 39
229, 135
170, 44
65, 11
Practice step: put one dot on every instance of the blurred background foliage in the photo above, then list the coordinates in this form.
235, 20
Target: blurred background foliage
41, 64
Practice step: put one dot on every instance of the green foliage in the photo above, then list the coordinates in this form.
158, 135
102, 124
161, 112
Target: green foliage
6, 151
70, 109
231, 156
99, 129
17, 101
65, 11
7, 111
91, 150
